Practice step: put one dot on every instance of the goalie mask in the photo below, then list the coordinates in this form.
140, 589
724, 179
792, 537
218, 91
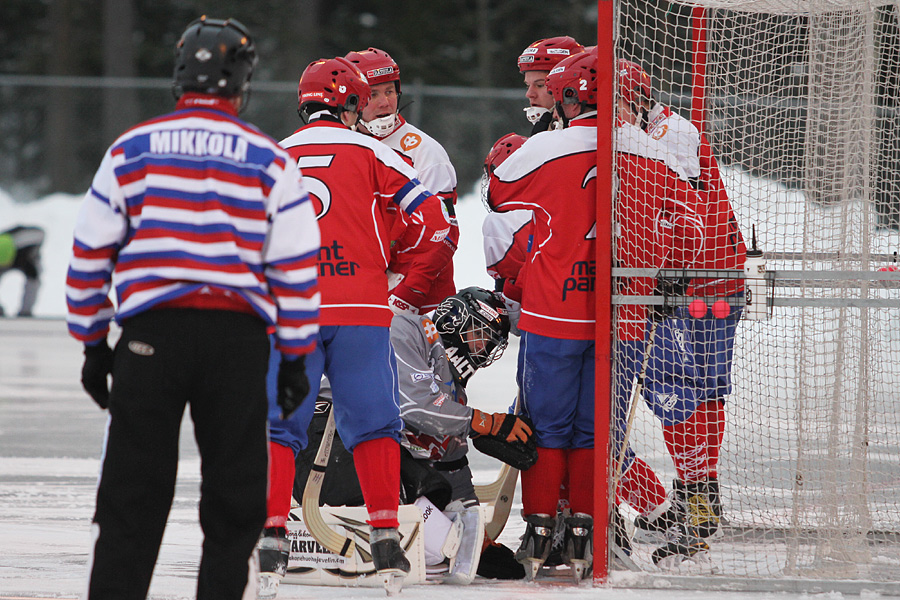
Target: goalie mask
474, 326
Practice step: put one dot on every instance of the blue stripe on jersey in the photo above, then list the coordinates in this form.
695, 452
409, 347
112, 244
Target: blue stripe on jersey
401, 200
200, 164
404, 191
177, 255
205, 196
296, 202
202, 230
87, 332
413, 205
95, 300
99, 196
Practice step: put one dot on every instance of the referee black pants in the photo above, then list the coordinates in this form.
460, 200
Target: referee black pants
215, 362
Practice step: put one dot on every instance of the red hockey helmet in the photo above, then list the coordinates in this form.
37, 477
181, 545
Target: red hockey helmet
634, 82
501, 150
334, 82
377, 66
545, 54
574, 80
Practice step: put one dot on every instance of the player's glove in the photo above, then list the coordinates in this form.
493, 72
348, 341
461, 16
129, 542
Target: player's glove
504, 426
667, 287
506, 437
98, 364
293, 385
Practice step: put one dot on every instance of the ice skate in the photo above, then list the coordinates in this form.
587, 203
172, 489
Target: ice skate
536, 543
578, 547
620, 543
683, 544
388, 558
274, 551
652, 527
701, 505
554, 559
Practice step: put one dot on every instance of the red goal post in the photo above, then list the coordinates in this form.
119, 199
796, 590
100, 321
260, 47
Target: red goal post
801, 103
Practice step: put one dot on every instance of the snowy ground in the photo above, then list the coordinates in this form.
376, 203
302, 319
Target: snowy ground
51, 433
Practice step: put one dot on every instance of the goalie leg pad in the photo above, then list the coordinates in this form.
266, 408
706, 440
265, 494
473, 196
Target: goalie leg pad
464, 565
441, 534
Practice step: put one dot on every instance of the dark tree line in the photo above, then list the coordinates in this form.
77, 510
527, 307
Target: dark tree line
51, 137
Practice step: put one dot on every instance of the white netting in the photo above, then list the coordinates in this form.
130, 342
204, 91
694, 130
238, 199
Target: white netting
802, 111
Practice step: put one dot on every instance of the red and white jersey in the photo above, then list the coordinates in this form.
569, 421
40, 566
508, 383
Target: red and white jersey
506, 238
678, 135
725, 248
554, 175
427, 276
356, 183
427, 156
660, 223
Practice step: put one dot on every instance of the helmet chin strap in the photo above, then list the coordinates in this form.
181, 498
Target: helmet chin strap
381, 127
533, 113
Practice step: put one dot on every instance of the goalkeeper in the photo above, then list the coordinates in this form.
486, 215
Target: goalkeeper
435, 360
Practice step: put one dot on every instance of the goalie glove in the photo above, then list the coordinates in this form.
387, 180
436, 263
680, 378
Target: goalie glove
507, 437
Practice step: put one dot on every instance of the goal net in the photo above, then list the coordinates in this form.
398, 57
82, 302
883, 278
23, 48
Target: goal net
799, 102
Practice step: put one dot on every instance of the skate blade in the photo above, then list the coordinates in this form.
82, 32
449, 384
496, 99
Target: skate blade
623, 559
268, 586
701, 562
580, 570
532, 567
392, 580
646, 536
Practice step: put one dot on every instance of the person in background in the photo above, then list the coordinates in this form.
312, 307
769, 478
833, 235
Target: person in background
20, 250
205, 225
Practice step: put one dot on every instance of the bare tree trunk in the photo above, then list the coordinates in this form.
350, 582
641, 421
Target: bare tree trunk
61, 110
484, 68
301, 37
120, 104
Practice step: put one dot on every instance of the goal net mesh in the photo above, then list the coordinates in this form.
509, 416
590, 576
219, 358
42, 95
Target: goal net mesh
800, 107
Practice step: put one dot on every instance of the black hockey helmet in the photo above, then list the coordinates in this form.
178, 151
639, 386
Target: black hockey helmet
214, 57
474, 326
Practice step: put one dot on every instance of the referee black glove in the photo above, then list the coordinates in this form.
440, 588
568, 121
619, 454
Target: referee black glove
293, 385
98, 364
